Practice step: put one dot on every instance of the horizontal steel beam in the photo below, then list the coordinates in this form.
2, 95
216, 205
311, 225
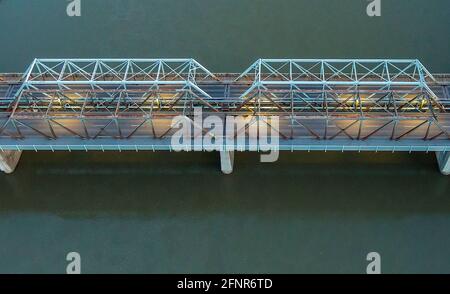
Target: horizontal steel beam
148, 144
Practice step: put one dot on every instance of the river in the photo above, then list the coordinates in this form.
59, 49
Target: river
175, 212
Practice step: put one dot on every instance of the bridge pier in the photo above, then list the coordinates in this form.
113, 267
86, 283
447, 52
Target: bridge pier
227, 161
444, 162
9, 160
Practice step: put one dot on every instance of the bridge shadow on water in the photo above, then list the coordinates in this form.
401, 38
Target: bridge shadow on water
354, 185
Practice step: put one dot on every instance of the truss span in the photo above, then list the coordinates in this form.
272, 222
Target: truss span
135, 99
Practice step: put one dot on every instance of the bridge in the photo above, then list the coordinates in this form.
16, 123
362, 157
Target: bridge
130, 104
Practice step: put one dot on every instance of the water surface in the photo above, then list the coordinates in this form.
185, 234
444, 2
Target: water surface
171, 213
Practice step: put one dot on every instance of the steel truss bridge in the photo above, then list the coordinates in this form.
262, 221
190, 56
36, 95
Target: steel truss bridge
129, 104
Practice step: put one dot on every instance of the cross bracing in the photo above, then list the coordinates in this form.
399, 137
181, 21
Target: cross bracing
113, 71
313, 99
354, 99
91, 98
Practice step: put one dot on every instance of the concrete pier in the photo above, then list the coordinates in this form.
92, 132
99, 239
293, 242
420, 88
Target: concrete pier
227, 161
444, 162
9, 160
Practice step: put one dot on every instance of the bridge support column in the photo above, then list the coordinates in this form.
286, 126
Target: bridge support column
9, 160
227, 161
444, 162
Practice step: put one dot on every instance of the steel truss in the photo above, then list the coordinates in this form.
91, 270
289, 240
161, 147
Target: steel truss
314, 99
353, 99
91, 98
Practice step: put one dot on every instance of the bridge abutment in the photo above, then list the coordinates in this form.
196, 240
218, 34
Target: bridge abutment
444, 162
227, 161
9, 160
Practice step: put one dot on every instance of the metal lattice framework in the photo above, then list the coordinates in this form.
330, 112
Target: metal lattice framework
313, 98
353, 99
91, 98
123, 71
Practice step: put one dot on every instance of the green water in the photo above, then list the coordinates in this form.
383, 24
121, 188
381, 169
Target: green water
173, 213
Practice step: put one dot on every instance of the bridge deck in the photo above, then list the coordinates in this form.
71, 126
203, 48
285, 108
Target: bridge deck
319, 104
35, 133
276, 104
